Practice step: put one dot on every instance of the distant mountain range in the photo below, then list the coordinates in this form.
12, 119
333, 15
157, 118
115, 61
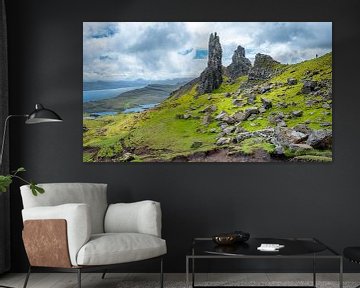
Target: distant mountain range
151, 94
102, 85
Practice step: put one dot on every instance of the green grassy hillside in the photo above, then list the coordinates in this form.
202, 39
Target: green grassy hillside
186, 127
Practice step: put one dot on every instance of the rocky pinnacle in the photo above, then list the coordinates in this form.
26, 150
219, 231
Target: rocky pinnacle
212, 77
240, 65
264, 67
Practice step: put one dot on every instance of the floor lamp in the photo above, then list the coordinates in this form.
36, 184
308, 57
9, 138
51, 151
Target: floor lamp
39, 115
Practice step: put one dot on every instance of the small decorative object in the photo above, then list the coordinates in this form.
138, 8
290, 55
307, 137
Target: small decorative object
270, 247
231, 238
242, 236
225, 239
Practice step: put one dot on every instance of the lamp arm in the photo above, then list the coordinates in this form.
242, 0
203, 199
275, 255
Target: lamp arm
4, 134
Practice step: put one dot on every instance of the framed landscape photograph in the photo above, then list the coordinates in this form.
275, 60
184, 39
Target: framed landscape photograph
207, 91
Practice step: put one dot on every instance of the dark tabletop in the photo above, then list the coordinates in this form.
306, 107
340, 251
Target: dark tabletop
292, 247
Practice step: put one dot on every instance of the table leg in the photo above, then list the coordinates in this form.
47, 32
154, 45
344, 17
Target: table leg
187, 272
193, 272
314, 271
341, 273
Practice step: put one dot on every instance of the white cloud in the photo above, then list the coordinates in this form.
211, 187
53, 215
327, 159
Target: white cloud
149, 50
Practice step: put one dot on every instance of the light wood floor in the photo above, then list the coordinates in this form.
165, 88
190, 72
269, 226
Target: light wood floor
68, 280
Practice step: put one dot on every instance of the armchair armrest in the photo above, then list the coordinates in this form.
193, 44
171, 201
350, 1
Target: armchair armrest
78, 225
139, 217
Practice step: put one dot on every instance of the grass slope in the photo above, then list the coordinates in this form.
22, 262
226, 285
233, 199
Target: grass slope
162, 133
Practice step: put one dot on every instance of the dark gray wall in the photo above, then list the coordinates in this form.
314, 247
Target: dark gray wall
277, 199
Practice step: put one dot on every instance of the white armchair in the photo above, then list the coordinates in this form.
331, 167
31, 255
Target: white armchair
72, 228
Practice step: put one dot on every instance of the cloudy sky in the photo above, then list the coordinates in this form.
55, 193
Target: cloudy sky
167, 50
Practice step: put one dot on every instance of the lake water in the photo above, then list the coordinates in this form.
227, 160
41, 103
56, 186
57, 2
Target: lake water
104, 113
93, 95
140, 108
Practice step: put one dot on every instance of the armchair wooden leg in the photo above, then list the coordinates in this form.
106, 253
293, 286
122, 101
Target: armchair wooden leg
161, 272
79, 278
27, 277
103, 275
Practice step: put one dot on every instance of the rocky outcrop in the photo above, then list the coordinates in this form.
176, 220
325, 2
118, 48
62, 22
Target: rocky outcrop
212, 77
240, 65
308, 87
264, 67
320, 139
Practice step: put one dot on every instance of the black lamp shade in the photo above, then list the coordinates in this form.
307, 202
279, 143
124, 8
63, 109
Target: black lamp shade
42, 115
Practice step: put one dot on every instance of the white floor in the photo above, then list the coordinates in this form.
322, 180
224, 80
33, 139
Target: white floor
114, 280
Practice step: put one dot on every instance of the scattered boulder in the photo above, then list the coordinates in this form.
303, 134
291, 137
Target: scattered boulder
303, 128
281, 123
292, 81
228, 120
279, 150
127, 157
209, 109
242, 136
326, 106
206, 119
228, 130
297, 113
239, 116
310, 103
265, 89
238, 102
186, 116
227, 94
275, 118
221, 115
223, 141
251, 99
262, 110
286, 136
251, 118
282, 105
267, 104
223, 126
310, 73
251, 111
309, 86
239, 129
212, 77
320, 139
325, 124
300, 147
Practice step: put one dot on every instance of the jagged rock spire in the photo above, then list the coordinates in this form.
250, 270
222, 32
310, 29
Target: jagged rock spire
240, 65
264, 67
211, 78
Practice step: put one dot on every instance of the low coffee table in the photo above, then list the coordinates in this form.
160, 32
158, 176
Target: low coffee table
295, 248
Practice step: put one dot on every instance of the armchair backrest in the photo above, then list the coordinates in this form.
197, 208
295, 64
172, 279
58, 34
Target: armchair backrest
92, 194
